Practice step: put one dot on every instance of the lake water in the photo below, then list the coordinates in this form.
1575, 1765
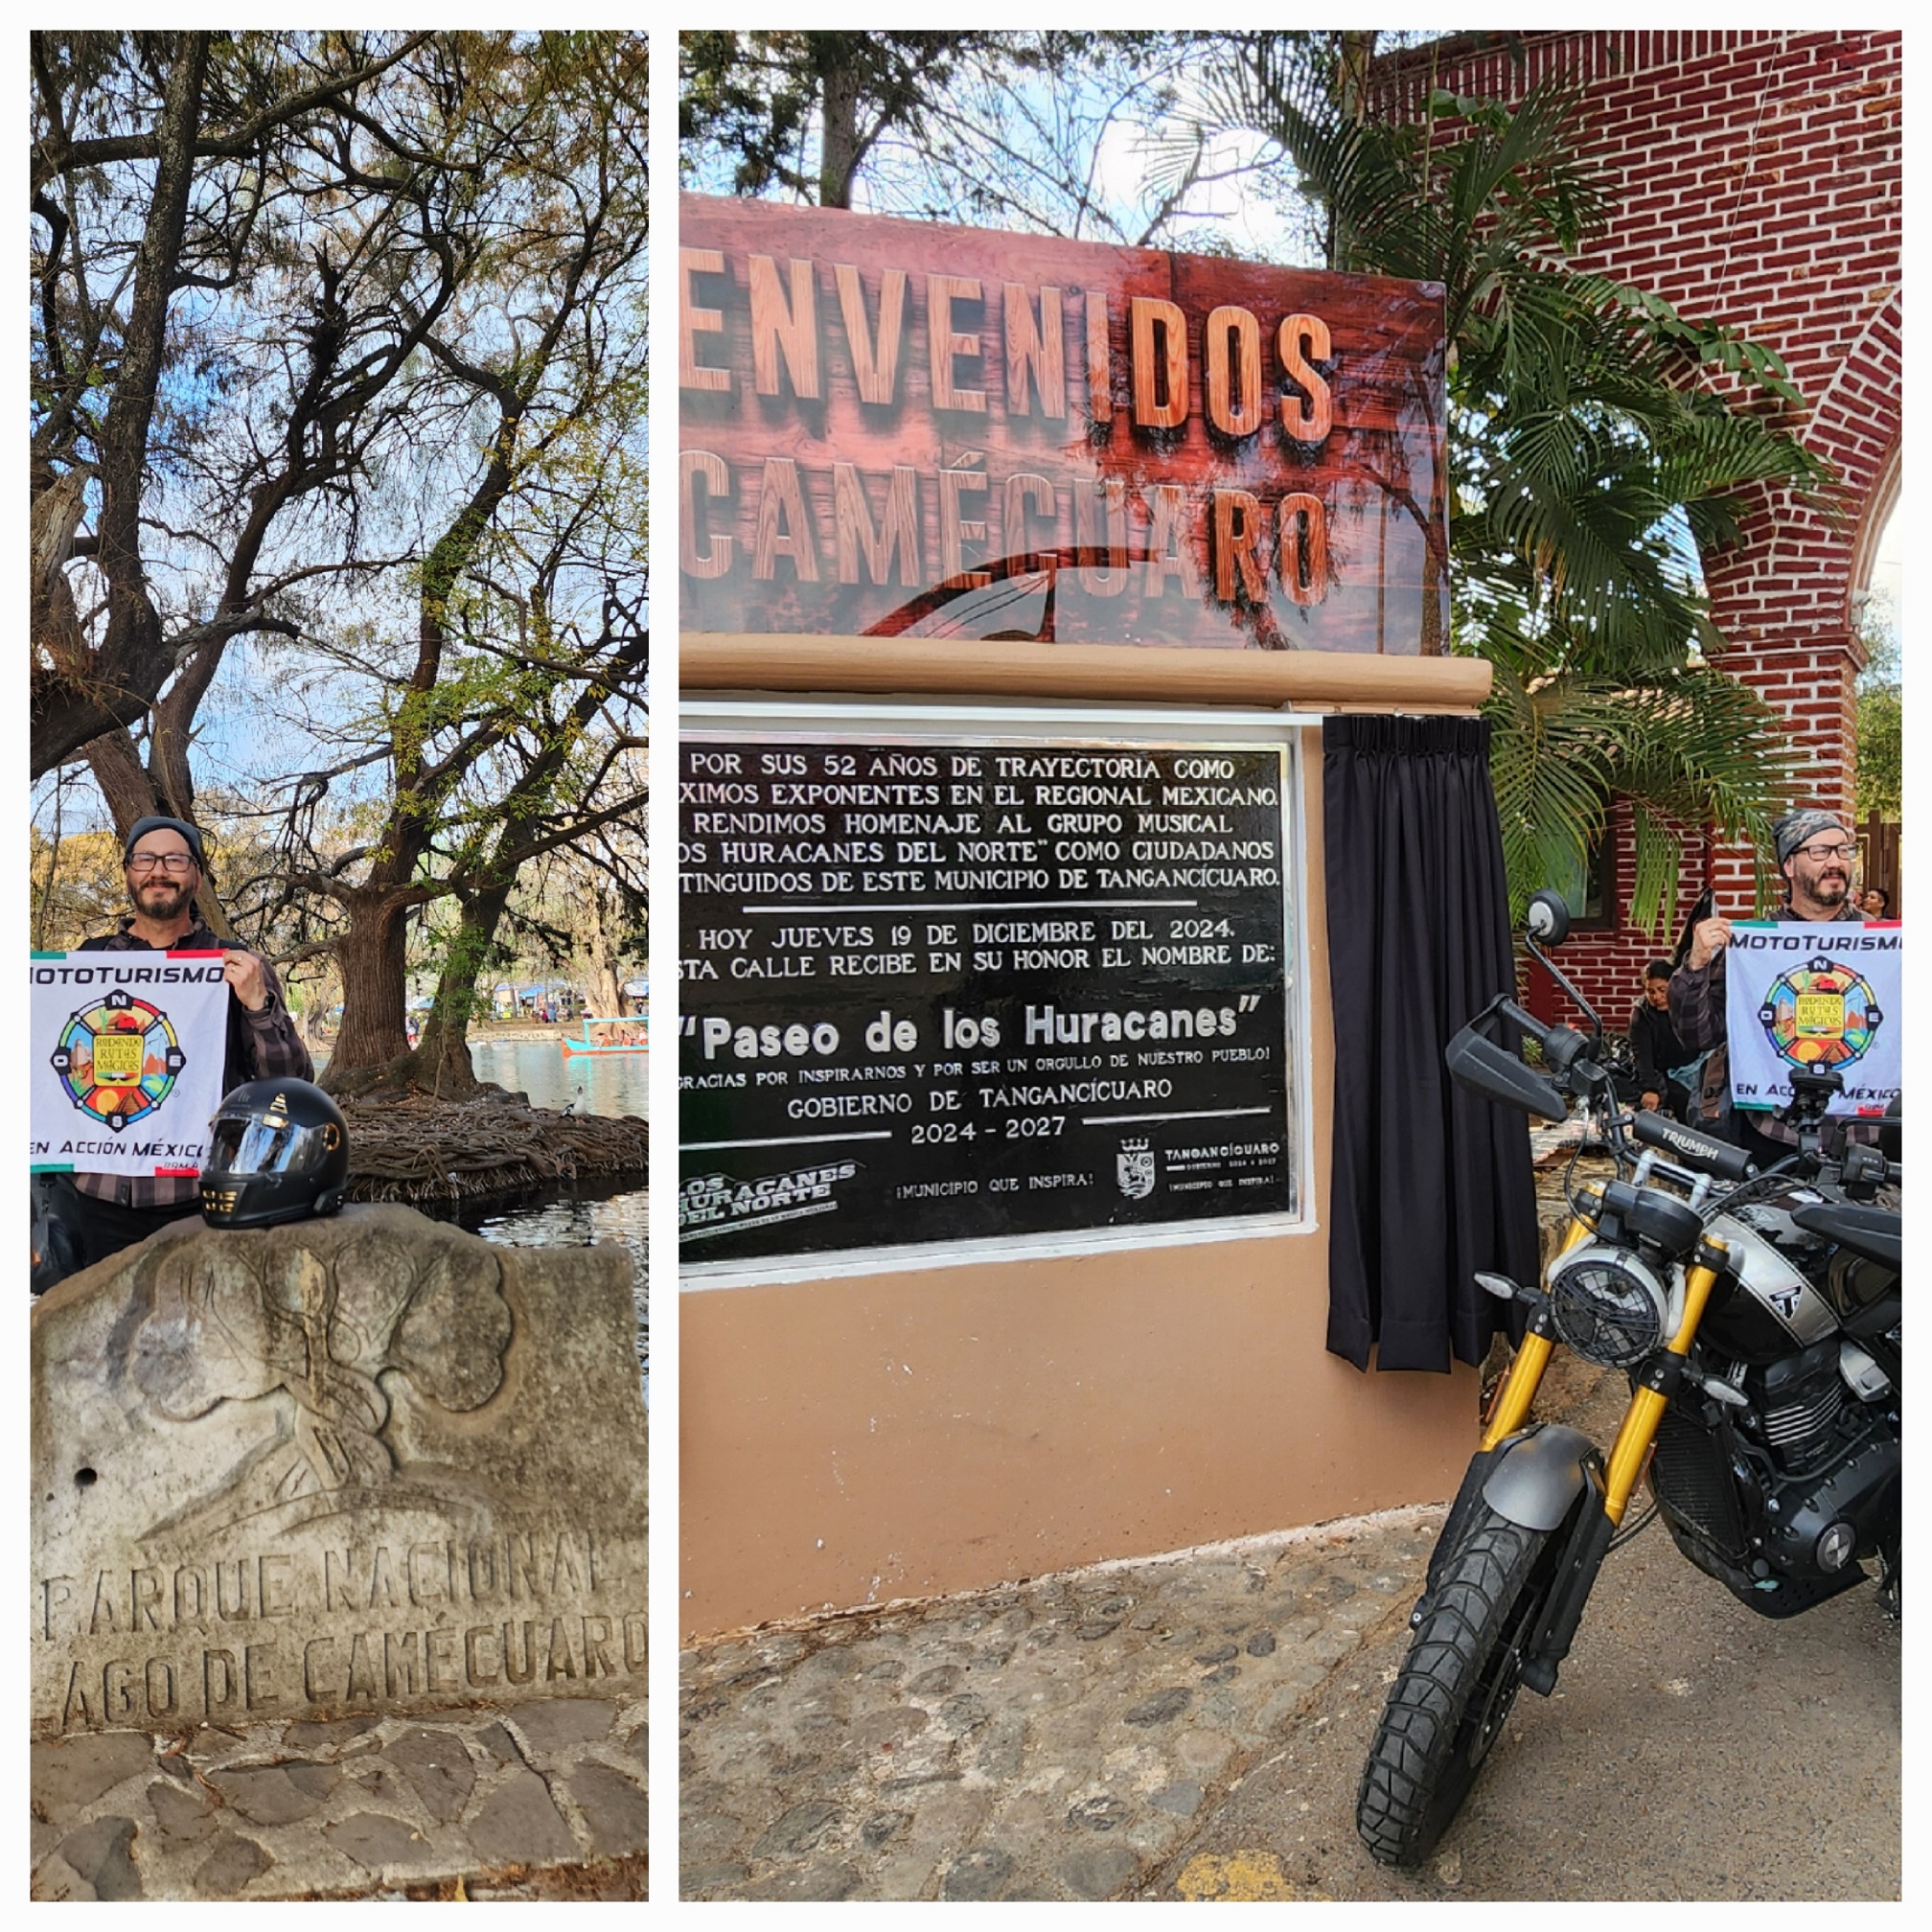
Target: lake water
611, 1084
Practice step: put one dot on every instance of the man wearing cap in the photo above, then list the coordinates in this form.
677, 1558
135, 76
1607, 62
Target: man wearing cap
1816, 853
99, 1214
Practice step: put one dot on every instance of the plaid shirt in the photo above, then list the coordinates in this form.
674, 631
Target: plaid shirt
1697, 1018
264, 1046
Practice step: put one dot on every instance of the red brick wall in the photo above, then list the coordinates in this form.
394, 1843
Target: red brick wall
1757, 183
1607, 967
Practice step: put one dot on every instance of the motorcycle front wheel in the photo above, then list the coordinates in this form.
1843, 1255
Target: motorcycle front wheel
1456, 1687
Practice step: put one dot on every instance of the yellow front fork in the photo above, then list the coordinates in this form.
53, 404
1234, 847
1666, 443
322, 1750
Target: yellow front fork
1510, 1409
1646, 1405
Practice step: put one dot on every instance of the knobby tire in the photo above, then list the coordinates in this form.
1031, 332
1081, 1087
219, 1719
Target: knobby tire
1448, 1705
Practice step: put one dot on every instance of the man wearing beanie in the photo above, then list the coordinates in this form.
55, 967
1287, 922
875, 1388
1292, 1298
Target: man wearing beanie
95, 1215
1816, 853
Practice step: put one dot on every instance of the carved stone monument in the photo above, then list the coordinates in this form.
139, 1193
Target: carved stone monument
360, 1466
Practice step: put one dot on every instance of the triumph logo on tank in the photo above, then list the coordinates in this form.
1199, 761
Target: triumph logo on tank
1134, 1166
1802, 997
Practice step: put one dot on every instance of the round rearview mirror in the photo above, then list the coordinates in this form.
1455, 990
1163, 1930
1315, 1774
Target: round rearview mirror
1549, 920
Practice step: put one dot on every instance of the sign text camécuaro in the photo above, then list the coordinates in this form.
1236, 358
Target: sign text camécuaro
904, 429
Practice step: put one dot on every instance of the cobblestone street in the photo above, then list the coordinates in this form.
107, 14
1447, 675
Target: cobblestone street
1054, 1740
541, 1801
1193, 1727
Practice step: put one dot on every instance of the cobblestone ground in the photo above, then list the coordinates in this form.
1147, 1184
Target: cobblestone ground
1057, 1739
541, 1800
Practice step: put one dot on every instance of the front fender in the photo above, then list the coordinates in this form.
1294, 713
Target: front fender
1538, 1475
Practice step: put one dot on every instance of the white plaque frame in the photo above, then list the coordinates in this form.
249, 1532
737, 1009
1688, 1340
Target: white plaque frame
872, 721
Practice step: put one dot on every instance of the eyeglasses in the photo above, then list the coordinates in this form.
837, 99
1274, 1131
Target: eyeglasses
1817, 854
174, 864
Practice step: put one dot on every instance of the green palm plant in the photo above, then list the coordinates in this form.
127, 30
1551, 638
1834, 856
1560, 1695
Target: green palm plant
1589, 469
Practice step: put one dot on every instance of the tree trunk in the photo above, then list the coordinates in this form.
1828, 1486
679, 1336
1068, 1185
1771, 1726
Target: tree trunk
371, 958
441, 1061
838, 139
372, 954
321, 991
602, 989
132, 663
598, 959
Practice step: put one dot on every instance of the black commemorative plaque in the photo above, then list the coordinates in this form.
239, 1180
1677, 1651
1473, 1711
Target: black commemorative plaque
944, 991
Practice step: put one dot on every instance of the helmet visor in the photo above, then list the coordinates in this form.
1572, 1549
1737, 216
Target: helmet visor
256, 1147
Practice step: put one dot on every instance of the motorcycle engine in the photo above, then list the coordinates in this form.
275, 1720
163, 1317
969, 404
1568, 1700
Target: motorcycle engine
1781, 1496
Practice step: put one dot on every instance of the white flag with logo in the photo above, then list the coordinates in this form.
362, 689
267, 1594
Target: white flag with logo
126, 1060
1809, 997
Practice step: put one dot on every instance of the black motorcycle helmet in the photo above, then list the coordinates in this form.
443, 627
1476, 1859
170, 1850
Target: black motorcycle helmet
278, 1150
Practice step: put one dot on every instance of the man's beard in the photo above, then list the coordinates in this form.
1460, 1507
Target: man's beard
1829, 896
178, 898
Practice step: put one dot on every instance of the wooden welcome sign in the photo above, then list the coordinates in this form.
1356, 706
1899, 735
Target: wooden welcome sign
900, 429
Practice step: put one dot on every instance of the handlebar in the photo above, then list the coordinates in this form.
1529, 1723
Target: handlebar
1705, 1152
1862, 1166
1569, 1064
1560, 1046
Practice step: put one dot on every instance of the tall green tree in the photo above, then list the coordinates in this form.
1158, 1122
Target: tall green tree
1881, 726
210, 357
336, 385
802, 109
1021, 129
505, 718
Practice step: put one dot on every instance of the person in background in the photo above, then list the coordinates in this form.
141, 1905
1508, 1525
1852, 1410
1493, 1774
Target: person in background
1815, 852
1664, 1063
95, 1215
1876, 903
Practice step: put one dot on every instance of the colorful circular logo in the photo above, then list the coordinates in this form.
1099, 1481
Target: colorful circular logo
119, 1059
1820, 1014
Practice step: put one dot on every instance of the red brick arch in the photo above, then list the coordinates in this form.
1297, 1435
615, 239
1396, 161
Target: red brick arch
1859, 413
1757, 183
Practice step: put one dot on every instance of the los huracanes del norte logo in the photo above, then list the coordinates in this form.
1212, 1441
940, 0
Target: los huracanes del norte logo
715, 1204
1820, 1016
117, 1059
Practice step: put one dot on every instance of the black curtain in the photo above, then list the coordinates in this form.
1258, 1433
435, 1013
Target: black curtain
1430, 1182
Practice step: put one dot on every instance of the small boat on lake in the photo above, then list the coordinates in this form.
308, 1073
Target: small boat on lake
628, 1034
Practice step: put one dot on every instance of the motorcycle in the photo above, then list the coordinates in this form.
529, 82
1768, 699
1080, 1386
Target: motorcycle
1756, 1317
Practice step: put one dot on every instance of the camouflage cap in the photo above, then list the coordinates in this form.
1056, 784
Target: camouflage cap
1800, 828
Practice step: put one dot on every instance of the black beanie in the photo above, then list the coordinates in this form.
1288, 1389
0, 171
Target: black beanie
157, 823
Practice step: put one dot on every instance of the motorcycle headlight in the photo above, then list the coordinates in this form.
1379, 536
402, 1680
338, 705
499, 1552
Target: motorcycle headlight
1609, 1306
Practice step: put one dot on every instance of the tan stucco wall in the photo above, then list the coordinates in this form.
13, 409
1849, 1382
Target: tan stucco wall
896, 1433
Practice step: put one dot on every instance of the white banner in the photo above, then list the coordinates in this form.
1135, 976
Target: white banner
1814, 997
125, 1059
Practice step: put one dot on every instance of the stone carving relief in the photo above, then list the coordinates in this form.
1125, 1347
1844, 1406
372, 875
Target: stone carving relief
365, 1464
317, 1344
